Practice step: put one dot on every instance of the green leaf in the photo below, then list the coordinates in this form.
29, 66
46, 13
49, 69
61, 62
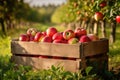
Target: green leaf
88, 69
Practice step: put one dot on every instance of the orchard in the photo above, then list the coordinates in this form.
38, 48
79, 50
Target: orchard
96, 14
74, 34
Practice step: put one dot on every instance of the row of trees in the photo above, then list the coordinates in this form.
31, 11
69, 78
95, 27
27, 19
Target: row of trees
15, 12
11, 10
82, 12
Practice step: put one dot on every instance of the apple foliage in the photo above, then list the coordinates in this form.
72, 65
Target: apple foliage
85, 10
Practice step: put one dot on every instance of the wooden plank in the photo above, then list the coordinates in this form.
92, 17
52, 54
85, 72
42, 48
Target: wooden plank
66, 50
98, 62
45, 63
61, 50
95, 48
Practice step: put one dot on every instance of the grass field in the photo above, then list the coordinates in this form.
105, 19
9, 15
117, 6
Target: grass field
5, 50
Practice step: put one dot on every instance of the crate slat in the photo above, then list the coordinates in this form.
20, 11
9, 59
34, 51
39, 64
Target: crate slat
46, 63
95, 48
18, 47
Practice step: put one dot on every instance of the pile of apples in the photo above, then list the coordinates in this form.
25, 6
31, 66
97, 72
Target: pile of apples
52, 35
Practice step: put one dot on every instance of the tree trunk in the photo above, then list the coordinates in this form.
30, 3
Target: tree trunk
103, 28
9, 24
96, 28
90, 26
3, 26
113, 32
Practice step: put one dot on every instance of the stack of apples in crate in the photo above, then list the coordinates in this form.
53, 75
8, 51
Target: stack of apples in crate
52, 35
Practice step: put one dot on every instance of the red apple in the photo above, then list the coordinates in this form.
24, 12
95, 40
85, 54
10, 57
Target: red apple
57, 41
93, 37
68, 34
51, 31
44, 33
38, 36
24, 37
84, 38
80, 31
31, 38
46, 39
31, 31
98, 16
118, 19
57, 36
73, 41
64, 41
103, 4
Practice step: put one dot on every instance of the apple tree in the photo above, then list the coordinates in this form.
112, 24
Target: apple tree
85, 14
110, 11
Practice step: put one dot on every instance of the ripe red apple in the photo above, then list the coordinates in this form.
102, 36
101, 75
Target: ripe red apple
46, 39
68, 34
98, 16
57, 36
57, 41
79, 32
44, 33
93, 37
24, 37
103, 4
31, 38
31, 31
84, 38
38, 36
64, 41
118, 19
51, 31
73, 41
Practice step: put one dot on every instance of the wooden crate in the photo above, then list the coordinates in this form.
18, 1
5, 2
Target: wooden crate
72, 57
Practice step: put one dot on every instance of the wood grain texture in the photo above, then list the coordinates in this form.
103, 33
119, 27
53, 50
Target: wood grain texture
45, 63
95, 48
66, 50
